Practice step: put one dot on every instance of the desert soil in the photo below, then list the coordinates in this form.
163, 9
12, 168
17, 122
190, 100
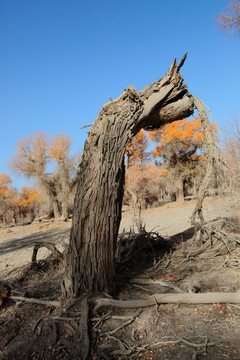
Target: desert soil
16, 243
168, 331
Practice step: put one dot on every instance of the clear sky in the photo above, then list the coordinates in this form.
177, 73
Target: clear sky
61, 59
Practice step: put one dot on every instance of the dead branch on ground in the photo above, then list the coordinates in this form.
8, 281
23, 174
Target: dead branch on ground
183, 298
145, 281
36, 301
215, 241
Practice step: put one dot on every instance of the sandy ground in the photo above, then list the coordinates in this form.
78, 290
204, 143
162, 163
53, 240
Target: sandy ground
165, 331
172, 218
16, 243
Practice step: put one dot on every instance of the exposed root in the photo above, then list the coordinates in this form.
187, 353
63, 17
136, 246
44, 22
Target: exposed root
215, 241
50, 246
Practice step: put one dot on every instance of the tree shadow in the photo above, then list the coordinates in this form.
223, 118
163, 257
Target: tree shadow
27, 241
141, 250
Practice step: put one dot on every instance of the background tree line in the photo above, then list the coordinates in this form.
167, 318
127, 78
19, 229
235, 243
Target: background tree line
47, 161
162, 165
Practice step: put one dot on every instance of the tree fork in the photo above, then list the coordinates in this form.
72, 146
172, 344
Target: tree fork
90, 263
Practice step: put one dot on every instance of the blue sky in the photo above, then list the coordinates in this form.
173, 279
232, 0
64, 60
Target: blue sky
60, 60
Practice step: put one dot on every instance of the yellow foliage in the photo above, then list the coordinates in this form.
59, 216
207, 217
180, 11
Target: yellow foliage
5, 181
28, 197
60, 147
135, 150
8, 195
188, 133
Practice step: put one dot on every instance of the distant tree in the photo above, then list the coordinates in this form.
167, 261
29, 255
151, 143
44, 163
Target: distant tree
64, 174
229, 20
146, 183
231, 152
28, 200
34, 158
14, 204
136, 149
179, 146
8, 197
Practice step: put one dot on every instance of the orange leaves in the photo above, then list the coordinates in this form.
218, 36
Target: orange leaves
5, 181
6, 190
28, 197
13, 204
60, 147
135, 150
10, 198
188, 133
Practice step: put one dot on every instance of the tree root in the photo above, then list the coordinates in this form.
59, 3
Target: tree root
218, 241
183, 298
143, 281
128, 322
175, 340
49, 246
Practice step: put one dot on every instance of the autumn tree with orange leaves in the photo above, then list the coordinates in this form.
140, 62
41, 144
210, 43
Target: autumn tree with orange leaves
48, 162
180, 148
16, 205
7, 199
28, 202
136, 149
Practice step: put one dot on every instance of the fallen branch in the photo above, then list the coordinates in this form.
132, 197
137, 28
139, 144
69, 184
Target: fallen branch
36, 301
183, 298
142, 281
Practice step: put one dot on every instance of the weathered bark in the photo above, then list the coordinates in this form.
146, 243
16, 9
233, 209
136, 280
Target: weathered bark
97, 209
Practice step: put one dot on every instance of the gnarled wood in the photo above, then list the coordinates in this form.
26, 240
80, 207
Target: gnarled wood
97, 209
49, 246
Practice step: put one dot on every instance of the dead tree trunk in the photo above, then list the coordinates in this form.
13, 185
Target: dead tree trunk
97, 209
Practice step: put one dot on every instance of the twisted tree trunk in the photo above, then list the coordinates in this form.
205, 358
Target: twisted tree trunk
97, 209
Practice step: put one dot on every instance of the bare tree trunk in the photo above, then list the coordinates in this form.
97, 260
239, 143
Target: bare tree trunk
179, 189
136, 210
49, 188
55, 205
64, 209
97, 209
